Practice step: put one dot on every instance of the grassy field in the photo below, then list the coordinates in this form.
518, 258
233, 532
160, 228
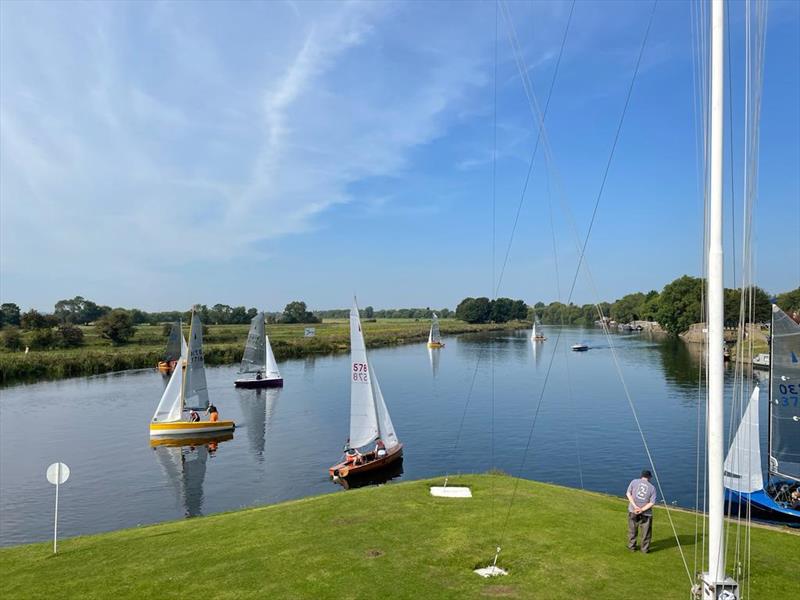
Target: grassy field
224, 344
393, 541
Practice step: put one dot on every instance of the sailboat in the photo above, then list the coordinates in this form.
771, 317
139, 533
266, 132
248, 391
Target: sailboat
173, 353
537, 335
744, 483
435, 336
373, 442
259, 359
186, 391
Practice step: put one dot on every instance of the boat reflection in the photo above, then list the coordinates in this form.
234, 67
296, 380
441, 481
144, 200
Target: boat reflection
536, 348
258, 406
391, 471
183, 460
434, 356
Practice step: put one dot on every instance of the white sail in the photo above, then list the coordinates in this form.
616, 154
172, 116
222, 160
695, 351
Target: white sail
195, 388
435, 337
272, 367
169, 408
743, 463
363, 417
385, 427
253, 359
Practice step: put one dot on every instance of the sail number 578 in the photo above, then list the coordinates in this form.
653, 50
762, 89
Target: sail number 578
360, 372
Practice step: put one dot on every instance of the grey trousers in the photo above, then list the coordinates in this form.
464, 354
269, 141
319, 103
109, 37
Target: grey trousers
634, 523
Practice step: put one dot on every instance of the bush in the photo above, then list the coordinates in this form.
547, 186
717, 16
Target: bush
116, 326
11, 338
42, 339
70, 336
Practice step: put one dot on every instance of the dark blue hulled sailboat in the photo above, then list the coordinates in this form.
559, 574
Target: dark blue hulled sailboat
744, 483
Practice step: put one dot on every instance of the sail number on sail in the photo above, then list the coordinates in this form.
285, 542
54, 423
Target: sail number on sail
790, 393
360, 372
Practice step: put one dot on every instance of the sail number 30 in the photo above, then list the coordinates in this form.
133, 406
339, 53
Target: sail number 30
360, 372
791, 394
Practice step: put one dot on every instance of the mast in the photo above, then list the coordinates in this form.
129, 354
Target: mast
715, 576
769, 391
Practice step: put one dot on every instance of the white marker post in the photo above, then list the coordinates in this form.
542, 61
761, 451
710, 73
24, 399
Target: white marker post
57, 473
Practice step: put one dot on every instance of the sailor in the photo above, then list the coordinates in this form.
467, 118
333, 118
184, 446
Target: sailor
258, 376
380, 448
213, 414
641, 498
194, 417
794, 500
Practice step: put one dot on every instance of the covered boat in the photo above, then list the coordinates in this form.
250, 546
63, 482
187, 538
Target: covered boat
373, 442
258, 359
744, 482
187, 393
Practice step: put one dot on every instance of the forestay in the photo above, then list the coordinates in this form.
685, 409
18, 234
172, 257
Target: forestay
254, 351
195, 390
435, 336
743, 463
272, 367
784, 445
363, 417
169, 408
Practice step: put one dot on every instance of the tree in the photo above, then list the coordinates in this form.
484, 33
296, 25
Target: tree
251, 312
789, 302
70, 336
42, 339
9, 314
12, 340
679, 304
295, 312
501, 310
628, 308
519, 310
116, 326
77, 311
369, 312
33, 319
474, 310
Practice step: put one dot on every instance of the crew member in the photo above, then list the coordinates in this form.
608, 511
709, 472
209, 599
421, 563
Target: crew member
213, 414
641, 498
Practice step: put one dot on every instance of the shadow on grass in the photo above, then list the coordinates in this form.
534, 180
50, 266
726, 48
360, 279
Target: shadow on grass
666, 543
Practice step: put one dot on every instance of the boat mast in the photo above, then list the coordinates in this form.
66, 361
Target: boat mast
714, 580
769, 392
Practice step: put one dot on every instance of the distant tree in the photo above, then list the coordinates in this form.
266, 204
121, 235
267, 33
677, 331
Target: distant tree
445, 313
9, 314
42, 339
238, 315
789, 302
501, 310
295, 312
628, 308
679, 304
33, 319
474, 310
251, 312
78, 310
539, 305
12, 340
70, 336
116, 326
369, 312
519, 310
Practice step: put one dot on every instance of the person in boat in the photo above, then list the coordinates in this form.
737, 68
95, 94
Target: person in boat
641, 498
380, 448
194, 417
794, 499
213, 414
258, 376
352, 457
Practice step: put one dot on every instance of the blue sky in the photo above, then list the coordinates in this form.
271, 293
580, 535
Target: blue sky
163, 154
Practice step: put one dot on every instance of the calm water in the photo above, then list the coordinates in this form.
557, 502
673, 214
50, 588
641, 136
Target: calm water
585, 434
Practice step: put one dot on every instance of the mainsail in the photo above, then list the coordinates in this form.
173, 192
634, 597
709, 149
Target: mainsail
784, 439
743, 463
435, 337
363, 414
169, 408
272, 367
174, 343
195, 389
254, 351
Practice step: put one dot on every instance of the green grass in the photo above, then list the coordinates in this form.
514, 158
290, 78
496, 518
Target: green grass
224, 344
393, 541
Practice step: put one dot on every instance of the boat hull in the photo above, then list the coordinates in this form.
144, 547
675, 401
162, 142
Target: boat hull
184, 428
344, 470
435, 345
258, 383
580, 348
763, 506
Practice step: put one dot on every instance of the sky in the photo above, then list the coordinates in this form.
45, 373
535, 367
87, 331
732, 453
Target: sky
163, 154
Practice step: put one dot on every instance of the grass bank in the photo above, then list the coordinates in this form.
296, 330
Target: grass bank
224, 344
393, 541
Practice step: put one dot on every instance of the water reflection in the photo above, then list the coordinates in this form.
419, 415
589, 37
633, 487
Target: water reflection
183, 461
257, 406
537, 352
434, 356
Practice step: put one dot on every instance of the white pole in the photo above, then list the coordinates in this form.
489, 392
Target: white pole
716, 500
55, 524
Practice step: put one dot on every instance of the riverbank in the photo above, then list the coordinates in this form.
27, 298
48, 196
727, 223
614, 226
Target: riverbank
393, 541
224, 344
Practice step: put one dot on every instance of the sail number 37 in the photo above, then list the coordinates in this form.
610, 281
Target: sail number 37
360, 372
789, 394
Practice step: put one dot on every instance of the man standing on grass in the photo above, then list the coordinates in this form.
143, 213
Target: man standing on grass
641, 498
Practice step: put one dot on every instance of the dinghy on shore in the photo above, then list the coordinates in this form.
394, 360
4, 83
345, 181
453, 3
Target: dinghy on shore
259, 359
187, 392
373, 443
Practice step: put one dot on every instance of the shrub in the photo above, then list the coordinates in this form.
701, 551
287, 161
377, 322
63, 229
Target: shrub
70, 336
42, 339
116, 326
11, 338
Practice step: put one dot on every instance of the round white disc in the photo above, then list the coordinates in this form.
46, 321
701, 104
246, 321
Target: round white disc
53, 474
